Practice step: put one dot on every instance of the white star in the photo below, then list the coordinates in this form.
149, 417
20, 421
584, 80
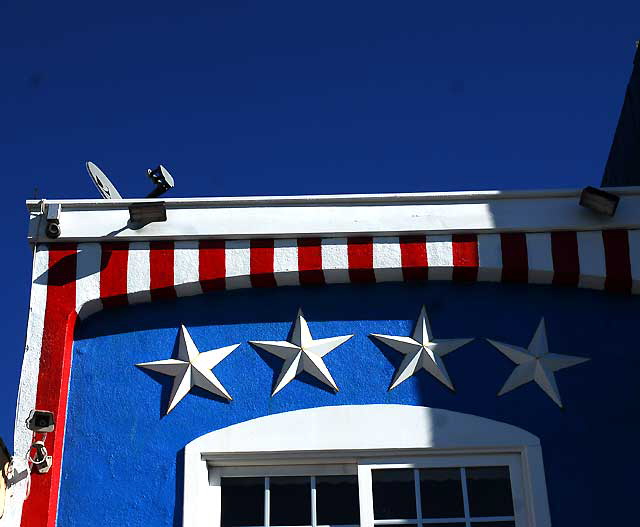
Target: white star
191, 368
302, 354
536, 364
421, 351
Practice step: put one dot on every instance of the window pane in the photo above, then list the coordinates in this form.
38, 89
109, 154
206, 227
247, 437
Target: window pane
242, 501
290, 500
489, 491
441, 493
393, 494
493, 524
337, 501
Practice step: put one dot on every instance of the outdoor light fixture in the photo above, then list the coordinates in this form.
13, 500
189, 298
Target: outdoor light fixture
162, 180
141, 214
599, 201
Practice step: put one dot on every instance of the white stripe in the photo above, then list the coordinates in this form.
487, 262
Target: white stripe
591, 257
335, 260
88, 279
138, 273
539, 256
634, 256
33, 347
285, 262
186, 268
440, 257
489, 258
387, 259
238, 264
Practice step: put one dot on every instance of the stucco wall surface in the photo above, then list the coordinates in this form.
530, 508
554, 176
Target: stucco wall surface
122, 455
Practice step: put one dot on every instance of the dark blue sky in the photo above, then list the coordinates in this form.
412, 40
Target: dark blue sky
249, 98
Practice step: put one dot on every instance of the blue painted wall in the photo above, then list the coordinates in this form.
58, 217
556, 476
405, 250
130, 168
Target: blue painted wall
122, 463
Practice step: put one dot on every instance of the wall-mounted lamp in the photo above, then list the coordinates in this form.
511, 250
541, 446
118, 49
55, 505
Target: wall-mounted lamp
141, 214
599, 201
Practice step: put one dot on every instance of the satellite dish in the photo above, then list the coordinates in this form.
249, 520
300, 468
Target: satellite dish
161, 179
105, 187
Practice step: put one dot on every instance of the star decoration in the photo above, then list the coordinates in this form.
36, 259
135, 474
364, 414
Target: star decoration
421, 351
191, 368
302, 353
536, 364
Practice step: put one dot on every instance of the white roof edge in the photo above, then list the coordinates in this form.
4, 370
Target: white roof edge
408, 197
336, 216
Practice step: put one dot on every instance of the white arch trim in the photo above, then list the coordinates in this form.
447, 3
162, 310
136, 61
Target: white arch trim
358, 433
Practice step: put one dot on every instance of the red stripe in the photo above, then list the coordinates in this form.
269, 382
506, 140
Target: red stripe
413, 255
310, 261
161, 270
53, 379
515, 265
566, 263
212, 265
465, 257
113, 274
261, 263
617, 260
360, 253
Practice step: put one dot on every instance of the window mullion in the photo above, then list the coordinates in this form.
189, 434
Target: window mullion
465, 497
365, 493
314, 511
416, 482
267, 501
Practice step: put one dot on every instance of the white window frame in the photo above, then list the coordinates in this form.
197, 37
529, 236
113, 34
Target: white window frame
216, 473
359, 439
448, 460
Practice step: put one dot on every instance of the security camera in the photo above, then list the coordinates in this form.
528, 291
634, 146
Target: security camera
40, 421
53, 230
53, 220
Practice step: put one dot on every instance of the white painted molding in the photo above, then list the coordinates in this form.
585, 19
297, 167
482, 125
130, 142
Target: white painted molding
353, 433
22, 437
347, 215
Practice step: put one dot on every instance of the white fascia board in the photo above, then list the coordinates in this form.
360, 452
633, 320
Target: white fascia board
341, 215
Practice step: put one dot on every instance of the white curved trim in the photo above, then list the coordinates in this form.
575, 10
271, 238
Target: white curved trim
362, 428
358, 433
